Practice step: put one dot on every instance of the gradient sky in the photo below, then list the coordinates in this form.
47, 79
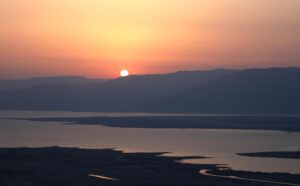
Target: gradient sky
97, 38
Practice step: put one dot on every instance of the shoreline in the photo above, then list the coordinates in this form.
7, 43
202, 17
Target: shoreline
280, 123
275, 154
58, 166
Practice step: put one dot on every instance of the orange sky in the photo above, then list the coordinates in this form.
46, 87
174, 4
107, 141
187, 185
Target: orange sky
97, 38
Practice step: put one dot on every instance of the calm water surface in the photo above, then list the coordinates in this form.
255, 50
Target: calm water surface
220, 144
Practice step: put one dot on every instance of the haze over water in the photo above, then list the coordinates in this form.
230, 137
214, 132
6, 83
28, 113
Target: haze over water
221, 144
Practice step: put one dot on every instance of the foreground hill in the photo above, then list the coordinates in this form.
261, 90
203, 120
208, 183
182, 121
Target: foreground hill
72, 166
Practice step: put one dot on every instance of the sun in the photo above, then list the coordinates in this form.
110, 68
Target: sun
124, 73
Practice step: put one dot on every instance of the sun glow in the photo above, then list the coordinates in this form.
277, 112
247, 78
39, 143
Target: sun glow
124, 73
95, 38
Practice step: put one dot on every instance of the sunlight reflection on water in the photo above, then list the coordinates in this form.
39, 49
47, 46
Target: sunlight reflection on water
220, 144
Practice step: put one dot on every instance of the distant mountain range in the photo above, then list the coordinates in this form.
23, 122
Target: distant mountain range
24, 83
256, 91
252, 91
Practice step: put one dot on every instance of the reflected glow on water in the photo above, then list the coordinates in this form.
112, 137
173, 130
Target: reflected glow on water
220, 144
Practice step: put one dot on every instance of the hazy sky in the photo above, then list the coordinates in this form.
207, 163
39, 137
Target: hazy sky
97, 38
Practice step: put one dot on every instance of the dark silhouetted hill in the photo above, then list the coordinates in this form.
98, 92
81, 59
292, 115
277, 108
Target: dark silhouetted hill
255, 91
62, 80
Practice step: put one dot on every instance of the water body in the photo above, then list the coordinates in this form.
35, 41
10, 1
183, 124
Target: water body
220, 144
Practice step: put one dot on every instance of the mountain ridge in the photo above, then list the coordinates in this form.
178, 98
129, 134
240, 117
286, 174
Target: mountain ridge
248, 91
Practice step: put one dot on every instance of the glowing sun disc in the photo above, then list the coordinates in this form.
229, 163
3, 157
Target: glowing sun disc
124, 73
